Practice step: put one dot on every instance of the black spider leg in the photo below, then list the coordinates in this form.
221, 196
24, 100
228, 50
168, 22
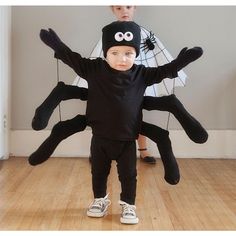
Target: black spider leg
144, 47
147, 50
143, 44
168, 119
60, 131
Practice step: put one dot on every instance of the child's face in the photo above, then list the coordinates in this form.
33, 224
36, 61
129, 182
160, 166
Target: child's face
124, 13
121, 57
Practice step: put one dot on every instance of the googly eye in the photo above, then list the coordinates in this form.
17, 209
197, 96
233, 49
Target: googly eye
128, 36
119, 36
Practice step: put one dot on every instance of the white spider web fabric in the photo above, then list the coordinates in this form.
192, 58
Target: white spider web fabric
150, 58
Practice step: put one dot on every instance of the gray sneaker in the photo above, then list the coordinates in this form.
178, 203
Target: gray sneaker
128, 215
98, 208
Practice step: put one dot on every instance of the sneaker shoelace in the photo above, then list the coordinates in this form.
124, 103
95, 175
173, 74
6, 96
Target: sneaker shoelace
99, 203
128, 210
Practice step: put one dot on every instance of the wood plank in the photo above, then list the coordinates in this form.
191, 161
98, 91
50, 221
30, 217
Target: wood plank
56, 194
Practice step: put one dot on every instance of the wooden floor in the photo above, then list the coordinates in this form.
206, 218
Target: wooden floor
56, 194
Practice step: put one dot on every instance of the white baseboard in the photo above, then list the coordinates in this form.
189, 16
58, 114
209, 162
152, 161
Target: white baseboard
221, 144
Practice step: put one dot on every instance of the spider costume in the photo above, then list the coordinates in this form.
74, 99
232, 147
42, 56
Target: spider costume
114, 102
152, 54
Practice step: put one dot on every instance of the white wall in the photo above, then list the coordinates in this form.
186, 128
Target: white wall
221, 144
5, 46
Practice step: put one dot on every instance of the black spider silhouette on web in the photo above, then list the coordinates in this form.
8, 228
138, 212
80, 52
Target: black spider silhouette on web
148, 43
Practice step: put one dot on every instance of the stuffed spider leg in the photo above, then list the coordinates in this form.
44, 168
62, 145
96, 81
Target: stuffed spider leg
60, 131
170, 103
162, 140
60, 93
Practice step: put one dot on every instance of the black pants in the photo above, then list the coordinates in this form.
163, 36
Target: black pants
103, 151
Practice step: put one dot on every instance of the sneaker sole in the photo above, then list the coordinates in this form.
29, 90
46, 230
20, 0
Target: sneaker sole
96, 214
129, 221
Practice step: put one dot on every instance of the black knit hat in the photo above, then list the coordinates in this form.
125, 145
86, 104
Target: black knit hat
121, 33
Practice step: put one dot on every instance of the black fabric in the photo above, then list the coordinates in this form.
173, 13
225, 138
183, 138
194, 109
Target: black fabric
50, 38
148, 159
187, 56
171, 103
115, 97
161, 138
103, 151
121, 33
60, 93
60, 131
114, 113
114, 93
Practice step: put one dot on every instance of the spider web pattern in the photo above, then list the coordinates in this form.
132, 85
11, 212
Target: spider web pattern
157, 57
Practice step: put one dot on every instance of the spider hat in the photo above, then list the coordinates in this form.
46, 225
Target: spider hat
121, 33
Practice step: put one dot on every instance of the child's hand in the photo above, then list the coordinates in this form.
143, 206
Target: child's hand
187, 56
50, 38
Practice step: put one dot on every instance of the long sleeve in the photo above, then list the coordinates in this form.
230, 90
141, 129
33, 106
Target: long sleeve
80, 65
154, 75
96, 52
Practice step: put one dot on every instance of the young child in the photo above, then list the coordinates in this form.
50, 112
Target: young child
114, 108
